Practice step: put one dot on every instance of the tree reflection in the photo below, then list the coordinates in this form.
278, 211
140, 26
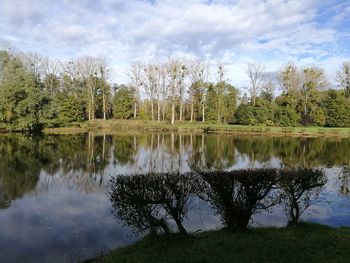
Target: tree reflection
344, 178
299, 189
19, 166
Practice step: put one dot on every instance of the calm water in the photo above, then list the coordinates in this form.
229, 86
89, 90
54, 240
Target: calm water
53, 203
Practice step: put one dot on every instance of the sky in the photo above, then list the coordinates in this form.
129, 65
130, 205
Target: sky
233, 32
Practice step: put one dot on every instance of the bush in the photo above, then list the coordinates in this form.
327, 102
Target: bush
261, 114
299, 189
244, 115
286, 117
337, 110
238, 194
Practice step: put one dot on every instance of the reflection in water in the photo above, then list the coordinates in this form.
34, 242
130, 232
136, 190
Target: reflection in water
52, 187
344, 178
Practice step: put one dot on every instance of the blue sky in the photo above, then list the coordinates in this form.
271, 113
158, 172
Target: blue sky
272, 32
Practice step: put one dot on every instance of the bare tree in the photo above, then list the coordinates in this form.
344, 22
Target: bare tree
105, 88
135, 76
220, 89
199, 74
151, 83
50, 69
175, 73
89, 69
163, 88
181, 87
289, 78
343, 78
31, 61
312, 80
256, 75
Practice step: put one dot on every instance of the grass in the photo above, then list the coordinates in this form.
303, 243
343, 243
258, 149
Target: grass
139, 125
302, 243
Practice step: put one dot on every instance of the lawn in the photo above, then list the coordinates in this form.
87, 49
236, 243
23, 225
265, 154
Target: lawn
302, 243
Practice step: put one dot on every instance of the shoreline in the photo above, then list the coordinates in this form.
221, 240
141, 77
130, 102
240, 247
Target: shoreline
305, 242
153, 126
117, 126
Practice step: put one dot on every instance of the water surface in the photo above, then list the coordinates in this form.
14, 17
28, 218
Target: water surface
53, 203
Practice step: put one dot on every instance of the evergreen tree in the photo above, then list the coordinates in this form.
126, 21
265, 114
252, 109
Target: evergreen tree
123, 103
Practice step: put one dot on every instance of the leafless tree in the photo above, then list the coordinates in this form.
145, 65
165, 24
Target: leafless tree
50, 69
343, 78
31, 61
256, 75
163, 88
89, 69
312, 80
151, 83
135, 75
175, 74
199, 74
289, 78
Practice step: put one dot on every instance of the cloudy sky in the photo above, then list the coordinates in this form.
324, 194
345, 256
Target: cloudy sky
272, 32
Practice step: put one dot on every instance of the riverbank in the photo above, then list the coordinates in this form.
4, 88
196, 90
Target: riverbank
302, 243
153, 126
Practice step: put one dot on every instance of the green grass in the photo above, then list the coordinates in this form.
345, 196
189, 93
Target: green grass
139, 125
301, 243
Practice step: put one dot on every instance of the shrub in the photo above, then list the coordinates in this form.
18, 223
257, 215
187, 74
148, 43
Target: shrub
300, 188
337, 110
286, 117
238, 194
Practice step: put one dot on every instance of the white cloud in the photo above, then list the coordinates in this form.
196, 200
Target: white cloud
271, 32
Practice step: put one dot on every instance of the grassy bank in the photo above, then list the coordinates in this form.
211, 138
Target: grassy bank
301, 243
134, 125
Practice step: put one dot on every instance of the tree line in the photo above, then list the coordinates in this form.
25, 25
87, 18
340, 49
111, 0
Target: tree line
37, 92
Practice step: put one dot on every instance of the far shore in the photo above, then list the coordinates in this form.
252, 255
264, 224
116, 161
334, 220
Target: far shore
110, 126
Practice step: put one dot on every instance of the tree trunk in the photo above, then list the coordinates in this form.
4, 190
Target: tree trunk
180, 111
203, 119
158, 110
152, 110
135, 108
92, 108
191, 111
104, 105
172, 113
89, 109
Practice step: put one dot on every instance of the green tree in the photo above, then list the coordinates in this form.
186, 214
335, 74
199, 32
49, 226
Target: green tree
343, 79
286, 117
123, 103
21, 98
337, 110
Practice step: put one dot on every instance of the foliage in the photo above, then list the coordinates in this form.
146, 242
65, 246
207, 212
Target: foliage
260, 114
337, 110
244, 115
300, 188
37, 93
238, 194
146, 202
21, 100
286, 117
123, 103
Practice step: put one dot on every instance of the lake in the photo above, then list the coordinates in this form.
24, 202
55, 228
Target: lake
53, 201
